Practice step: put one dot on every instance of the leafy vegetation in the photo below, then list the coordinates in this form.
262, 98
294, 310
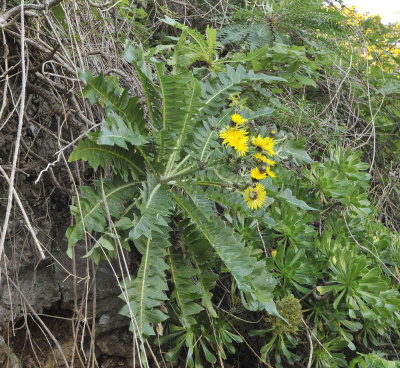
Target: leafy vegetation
248, 176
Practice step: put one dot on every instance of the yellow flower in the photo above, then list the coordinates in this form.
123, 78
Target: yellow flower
255, 197
263, 158
270, 173
257, 174
265, 144
273, 132
235, 138
238, 119
273, 253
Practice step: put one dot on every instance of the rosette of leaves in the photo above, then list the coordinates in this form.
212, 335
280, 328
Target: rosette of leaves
292, 225
201, 339
329, 354
342, 178
373, 360
361, 288
157, 200
294, 269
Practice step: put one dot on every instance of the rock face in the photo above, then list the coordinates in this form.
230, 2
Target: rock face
112, 329
36, 281
57, 285
49, 285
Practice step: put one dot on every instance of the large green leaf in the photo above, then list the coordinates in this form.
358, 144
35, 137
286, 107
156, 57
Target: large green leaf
89, 210
180, 95
145, 292
297, 152
114, 131
154, 207
249, 274
186, 292
200, 253
123, 162
215, 91
152, 97
107, 91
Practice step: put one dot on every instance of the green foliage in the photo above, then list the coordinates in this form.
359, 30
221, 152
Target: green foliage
363, 288
201, 48
208, 265
342, 178
90, 212
154, 206
180, 100
145, 292
216, 91
107, 92
235, 256
150, 213
115, 132
280, 21
291, 224
372, 360
293, 269
186, 293
123, 162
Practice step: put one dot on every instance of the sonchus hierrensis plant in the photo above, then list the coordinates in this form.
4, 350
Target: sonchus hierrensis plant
174, 161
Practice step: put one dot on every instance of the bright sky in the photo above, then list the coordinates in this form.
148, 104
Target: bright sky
389, 10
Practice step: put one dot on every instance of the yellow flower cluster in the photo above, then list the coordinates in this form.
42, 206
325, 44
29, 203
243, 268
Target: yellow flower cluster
237, 137
263, 168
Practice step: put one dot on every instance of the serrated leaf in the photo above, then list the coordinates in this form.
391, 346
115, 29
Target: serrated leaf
115, 100
115, 132
146, 291
152, 96
203, 260
154, 209
123, 162
180, 95
91, 216
246, 270
186, 293
216, 91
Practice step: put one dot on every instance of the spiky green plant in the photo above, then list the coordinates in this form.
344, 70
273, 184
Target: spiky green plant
153, 201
